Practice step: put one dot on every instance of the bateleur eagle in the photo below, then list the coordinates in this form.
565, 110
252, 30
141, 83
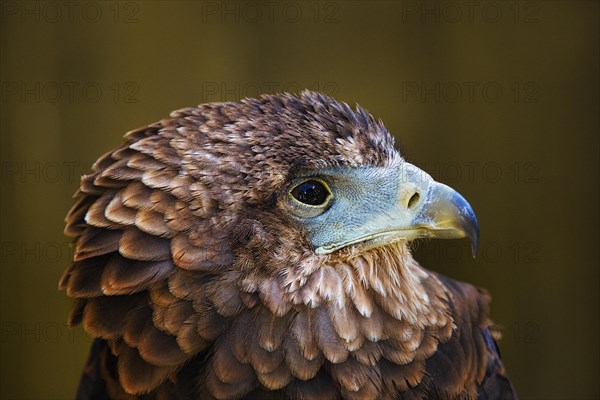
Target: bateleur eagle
260, 250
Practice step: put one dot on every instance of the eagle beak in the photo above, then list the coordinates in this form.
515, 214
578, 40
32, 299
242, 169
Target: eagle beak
438, 210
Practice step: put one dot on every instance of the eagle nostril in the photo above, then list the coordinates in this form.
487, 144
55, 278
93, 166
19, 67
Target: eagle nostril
414, 199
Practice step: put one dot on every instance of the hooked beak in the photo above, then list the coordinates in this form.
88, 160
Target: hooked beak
435, 210
445, 214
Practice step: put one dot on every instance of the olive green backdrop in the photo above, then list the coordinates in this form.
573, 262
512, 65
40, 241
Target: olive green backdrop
497, 99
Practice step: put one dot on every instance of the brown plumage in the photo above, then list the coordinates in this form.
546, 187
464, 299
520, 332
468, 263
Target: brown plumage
200, 283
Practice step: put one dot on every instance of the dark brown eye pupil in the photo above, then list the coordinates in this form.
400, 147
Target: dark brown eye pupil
311, 192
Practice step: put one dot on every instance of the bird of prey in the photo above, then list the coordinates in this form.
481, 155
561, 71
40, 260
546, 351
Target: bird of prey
261, 250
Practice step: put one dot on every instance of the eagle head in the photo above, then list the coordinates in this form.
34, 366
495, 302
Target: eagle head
261, 247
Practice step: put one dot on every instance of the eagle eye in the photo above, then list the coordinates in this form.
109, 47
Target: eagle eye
311, 192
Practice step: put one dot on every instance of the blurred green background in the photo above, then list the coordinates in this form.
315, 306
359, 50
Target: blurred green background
498, 99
